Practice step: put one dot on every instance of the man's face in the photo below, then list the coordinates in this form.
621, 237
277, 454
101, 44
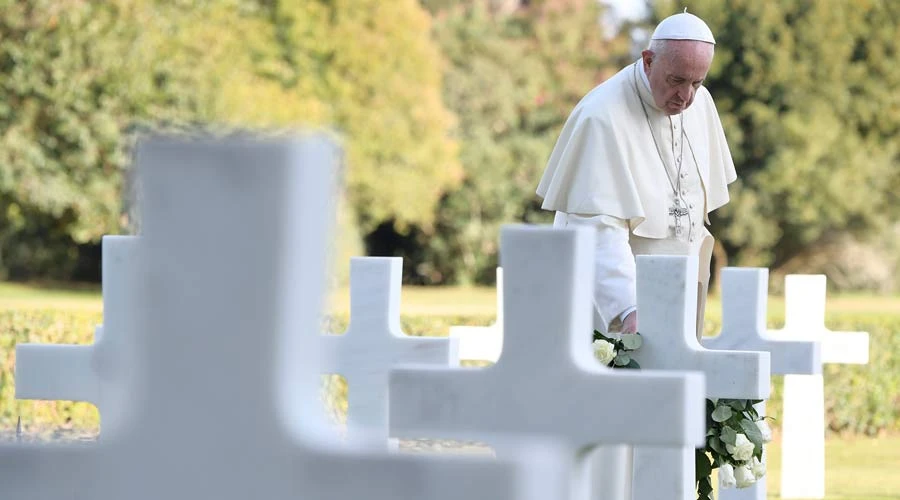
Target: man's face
677, 73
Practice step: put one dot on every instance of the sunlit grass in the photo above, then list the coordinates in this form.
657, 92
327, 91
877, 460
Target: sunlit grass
22, 296
433, 301
470, 301
856, 468
418, 300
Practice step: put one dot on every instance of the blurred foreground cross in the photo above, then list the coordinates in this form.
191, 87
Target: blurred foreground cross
221, 399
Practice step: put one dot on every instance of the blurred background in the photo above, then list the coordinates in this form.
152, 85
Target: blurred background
447, 110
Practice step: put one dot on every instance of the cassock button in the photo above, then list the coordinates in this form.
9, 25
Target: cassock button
683, 174
684, 192
691, 205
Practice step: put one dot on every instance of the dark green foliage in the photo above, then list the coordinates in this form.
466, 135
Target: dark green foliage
74, 77
512, 81
78, 78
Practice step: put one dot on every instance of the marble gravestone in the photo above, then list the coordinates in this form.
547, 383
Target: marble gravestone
744, 297
482, 343
666, 285
374, 343
221, 397
547, 381
96, 373
803, 422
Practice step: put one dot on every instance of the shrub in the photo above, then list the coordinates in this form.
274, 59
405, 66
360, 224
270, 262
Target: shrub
859, 399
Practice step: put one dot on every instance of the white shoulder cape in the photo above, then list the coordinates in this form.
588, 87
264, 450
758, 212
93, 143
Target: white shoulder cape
605, 161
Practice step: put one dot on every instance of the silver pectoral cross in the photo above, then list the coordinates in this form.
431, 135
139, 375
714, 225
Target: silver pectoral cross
678, 212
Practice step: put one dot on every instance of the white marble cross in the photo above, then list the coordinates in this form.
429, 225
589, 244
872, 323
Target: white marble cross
744, 298
803, 422
95, 373
744, 301
222, 392
547, 381
374, 343
667, 292
482, 343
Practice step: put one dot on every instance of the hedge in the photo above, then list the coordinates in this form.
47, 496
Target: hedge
859, 399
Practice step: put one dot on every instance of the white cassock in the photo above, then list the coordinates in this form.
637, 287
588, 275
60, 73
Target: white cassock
645, 194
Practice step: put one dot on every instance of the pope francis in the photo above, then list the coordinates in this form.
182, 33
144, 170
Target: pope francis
644, 160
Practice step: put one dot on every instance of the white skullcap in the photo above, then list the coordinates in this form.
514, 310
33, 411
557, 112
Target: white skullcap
683, 26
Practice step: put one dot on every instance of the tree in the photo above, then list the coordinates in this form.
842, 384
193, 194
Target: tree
366, 69
82, 78
75, 77
512, 80
369, 70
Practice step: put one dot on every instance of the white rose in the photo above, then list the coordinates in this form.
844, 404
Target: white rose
604, 351
726, 476
758, 468
742, 449
764, 430
743, 476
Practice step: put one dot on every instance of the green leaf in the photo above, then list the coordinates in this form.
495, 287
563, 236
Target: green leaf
752, 413
728, 435
600, 336
710, 407
703, 464
705, 489
722, 413
633, 365
716, 444
632, 342
736, 404
622, 359
752, 432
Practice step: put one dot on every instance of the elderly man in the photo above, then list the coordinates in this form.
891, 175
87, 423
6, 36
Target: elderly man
644, 160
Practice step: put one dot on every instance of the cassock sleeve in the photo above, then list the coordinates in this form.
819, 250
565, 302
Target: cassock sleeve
614, 268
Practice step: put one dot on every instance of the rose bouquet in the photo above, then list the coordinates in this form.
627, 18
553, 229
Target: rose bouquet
734, 445
614, 352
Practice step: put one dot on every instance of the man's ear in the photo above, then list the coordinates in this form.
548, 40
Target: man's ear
647, 57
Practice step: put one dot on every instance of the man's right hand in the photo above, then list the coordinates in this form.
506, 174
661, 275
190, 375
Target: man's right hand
629, 324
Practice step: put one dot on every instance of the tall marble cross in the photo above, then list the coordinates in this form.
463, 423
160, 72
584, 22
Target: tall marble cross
221, 393
374, 343
744, 298
803, 422
96, 373
667, 293
547, 381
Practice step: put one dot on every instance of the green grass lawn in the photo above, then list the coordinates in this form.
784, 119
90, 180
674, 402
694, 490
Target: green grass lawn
19, 296
855, 469
482, 301
414, 300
